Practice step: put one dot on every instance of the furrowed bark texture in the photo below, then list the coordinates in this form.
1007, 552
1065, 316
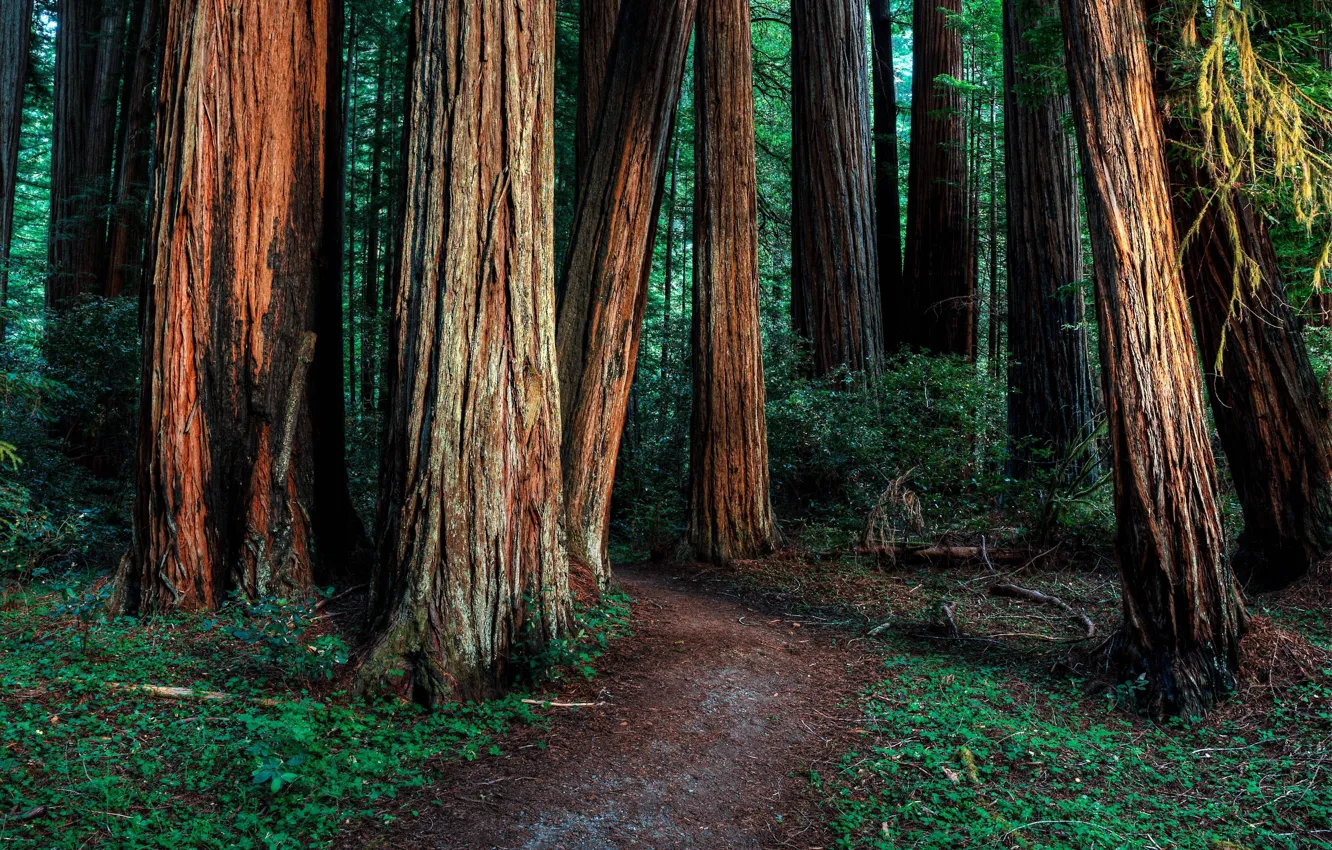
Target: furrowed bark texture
937, 302
601, 316
1051, 402
89, 36
596, 36
834, 263
1182, 613
472, 564
731, 515
887, 195
1266, 401
344, 549
15, 26
129, 228
224, 468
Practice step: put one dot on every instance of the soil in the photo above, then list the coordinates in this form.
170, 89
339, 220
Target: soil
711, 716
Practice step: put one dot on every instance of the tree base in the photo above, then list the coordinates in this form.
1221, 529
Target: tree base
1174, 681
1267, 566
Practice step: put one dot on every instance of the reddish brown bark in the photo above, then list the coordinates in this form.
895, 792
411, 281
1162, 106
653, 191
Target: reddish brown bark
731, 515
601, 316
1182, 613
834, 262
472, 565
937, 301
225, 473
89, 38
129, 227
887, 193
1051, 403
596, 36
15, 26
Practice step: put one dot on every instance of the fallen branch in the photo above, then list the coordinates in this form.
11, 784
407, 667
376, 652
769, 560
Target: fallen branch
1012, 591
167, 692
543, 702
944, 553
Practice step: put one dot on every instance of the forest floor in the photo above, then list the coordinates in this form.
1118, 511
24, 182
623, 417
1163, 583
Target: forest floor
704, 728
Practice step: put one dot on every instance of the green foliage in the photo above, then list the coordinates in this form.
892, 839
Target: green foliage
278, 626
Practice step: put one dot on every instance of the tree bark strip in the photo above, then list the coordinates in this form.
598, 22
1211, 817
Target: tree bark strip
15, 28
1051, 401
601, 316
887, 190
1182, 613
834, 263
472, 566
596, 38
731, 515
224, 473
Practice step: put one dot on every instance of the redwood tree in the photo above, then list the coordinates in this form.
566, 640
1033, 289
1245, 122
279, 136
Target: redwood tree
596, 36
89, 38
15, 25
601, 315
129, 228
730, 511
1051, 405
834, 263
1182, 613
224, 472
887, 195
937, 302
472, 563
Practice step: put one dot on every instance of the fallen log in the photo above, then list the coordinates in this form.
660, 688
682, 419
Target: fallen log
945, 553
1012, 591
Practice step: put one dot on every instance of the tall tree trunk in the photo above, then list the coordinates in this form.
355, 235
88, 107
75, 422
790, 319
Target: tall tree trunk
730, 512
15, 27
89, 39
344, 549
1051, 400
225, 469
1182, 613
996, 315
596, 36
472, 565
348, 234
129, 228
670, 264
834, 262
887, 192
369, 280
601, 316
937, 300
1266, 401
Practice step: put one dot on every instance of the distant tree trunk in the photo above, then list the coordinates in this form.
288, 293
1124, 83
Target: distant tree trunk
730, 511
15, 26
129, 228
344, 549
938, 299
834, 262
1051, 400
369, 280
670, 265
887, 192
601, 316
89, 38
472, 565
348, 234
596, 36
996, 315
225, 469
1182, 613
1266, 401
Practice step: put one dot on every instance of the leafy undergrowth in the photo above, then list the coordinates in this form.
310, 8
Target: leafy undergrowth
262, 746
1006, 737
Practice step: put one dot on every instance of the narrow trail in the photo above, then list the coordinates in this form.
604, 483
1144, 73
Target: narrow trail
713, 715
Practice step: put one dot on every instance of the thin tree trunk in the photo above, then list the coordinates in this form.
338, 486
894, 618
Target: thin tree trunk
887, 191
996, 315
472, 565
938, 297
369, 280
834, 262
344, 548
730, 512
15, 27
670, 256
601, 317
1051, 399
1266, 401
349, 231
1182, 613
129, 228
596, 36
225, 468
89, 38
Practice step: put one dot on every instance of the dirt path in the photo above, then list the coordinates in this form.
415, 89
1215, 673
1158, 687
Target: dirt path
713, 715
